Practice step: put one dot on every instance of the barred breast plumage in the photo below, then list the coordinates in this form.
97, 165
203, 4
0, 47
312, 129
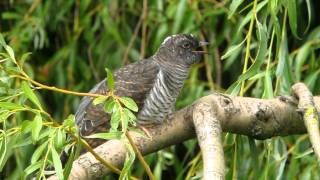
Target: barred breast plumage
153, 83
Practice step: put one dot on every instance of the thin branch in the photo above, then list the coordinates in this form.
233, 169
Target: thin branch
53, 88
140, 157
144, 29
135, 33
249, 35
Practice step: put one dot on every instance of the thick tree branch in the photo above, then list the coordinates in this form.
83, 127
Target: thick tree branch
208, 130
310, 115
258, 118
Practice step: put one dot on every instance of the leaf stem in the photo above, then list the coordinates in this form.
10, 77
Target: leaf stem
140, 157
246, 59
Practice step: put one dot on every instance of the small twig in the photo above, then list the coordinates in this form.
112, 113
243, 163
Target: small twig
144, 29
249, 36
53, 88
206, 57
32, 8
105, 163
310, 115
217, 62
140, 157
135, 34
93, 69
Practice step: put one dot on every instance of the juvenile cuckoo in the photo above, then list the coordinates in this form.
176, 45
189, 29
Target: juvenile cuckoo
153, 83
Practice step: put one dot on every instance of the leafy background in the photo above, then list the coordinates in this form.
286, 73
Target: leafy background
258, 48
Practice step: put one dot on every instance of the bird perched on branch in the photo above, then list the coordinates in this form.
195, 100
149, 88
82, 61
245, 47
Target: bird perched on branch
153, 83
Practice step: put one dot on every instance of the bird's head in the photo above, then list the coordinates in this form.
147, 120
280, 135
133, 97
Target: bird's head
182, 49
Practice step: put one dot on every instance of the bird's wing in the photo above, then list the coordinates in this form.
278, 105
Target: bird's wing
134, 80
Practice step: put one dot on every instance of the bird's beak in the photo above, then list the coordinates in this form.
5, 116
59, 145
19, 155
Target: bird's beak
201, 44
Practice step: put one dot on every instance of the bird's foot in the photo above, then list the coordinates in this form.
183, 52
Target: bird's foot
145, 129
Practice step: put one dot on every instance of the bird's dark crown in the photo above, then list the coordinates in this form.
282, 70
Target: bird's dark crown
179, 49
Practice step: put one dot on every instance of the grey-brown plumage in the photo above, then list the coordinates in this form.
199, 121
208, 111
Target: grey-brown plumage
153, 83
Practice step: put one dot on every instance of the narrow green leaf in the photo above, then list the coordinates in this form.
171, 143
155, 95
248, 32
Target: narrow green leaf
4, 115
3, 149
110, 81
305, 153
301, 58
129, 103
124, 122
30, 94
99, 100
24, 58
2, 41
263, 45
60, 138
36, 127
108, 106
11, 15
292, 12
38, 152
68, 166
179, 14
309, 16
33, 167
57, 163
311, 80
11, 53
108, 136
10, 106
247, 18
130, 157
115, 120
132, 117
232, 49
268, 89
70, 121
26, 126
233, 7
282, 56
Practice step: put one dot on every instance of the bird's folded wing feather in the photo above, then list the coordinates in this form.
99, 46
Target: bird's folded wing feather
134, 80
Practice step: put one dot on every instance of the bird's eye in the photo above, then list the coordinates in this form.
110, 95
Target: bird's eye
186, 45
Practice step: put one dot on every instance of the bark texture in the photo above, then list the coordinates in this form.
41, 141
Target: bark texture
258, 118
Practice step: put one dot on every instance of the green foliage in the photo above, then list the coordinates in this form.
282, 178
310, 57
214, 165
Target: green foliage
266, 46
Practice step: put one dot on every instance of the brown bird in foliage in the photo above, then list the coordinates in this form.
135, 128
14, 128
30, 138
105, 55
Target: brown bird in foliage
153, 83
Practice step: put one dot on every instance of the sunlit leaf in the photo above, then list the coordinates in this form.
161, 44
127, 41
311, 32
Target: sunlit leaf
109, 104
115, 120
130, 157
38, 152
128, 113
233, 49
33, 167
30, 94
108, 136
301, 59
60, 138
292, 12
57, 163
10, 106
110, 81
36, 127
99, 100
129, 103
10, 52
233, 7
3, 148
